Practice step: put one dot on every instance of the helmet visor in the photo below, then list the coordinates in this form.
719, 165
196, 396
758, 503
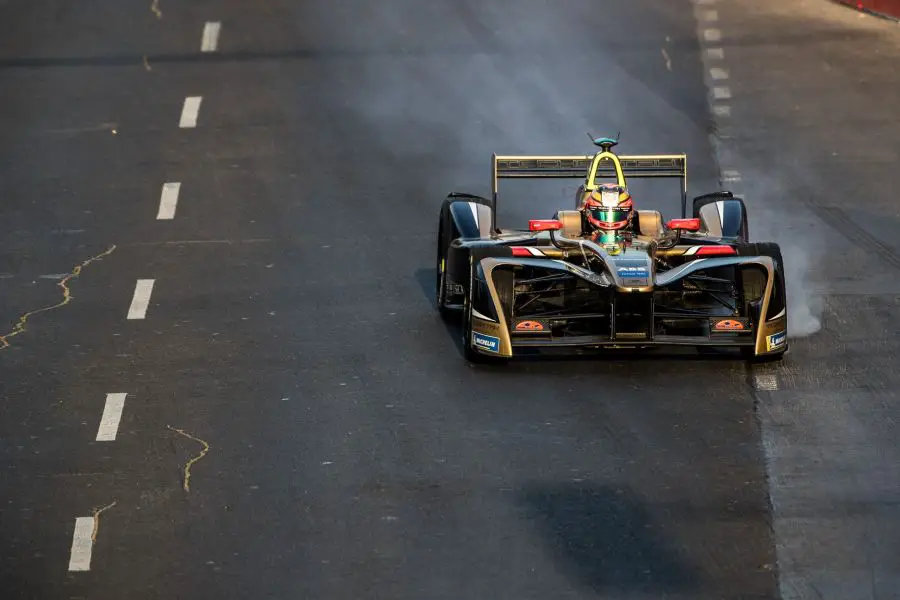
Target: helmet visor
611, 217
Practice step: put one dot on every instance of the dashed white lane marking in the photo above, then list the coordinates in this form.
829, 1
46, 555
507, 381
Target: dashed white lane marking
721, 93
715, 54
712, 35
141, 300
112, 414
710, 16
189, 112
705, 2
718, 73
731, 175
210, 41
766, 382
80, 556
721, 110
168, 200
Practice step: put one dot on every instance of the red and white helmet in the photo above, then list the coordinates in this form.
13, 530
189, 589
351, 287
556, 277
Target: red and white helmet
609, 207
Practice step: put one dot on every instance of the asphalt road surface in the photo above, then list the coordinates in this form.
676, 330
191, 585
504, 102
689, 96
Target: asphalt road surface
296, 420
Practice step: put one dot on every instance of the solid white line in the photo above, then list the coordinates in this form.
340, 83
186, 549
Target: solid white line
718, 73
712, 35
210, 36
80, 557
141, 300
722, 111
168, 200
190, 111
112, 414
711, 15
721, 93
715, 54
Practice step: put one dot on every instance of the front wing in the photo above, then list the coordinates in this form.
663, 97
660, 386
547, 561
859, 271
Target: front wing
593, 312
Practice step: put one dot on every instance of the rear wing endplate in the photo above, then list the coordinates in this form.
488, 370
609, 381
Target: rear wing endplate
589, 168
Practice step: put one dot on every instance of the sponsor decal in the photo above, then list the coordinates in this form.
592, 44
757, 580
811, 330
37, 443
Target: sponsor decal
730, 325
486, 325
628, 263
776, 341
485, 342
633, 272
779, 324
529, 326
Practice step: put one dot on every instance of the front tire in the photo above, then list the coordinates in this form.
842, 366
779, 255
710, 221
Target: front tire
447, 233
441, 270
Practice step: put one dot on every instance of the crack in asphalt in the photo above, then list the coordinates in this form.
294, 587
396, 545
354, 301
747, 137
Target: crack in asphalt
187, 467
67, 297
97, 512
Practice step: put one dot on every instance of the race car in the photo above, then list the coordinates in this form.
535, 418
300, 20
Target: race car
693, 281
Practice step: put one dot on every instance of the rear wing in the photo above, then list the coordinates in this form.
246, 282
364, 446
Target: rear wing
602, 165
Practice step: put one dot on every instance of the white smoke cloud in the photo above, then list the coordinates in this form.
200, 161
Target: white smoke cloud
777, 213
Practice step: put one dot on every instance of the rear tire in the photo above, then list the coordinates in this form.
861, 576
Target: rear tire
440, 295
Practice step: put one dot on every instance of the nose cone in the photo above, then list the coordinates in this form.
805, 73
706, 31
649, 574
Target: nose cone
633, 270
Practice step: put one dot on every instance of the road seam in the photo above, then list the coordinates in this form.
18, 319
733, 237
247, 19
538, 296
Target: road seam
763, 380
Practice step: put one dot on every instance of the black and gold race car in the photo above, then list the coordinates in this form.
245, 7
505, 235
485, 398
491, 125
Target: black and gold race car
694, 281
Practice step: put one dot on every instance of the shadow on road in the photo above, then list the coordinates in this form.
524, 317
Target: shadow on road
609, 539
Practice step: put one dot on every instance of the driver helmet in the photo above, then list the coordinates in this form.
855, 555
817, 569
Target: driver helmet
609, 207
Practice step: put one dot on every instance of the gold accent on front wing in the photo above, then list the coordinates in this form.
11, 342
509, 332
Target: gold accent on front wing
502, 329
769, 264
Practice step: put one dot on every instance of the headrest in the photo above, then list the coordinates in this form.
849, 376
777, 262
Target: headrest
571, 223
650, 223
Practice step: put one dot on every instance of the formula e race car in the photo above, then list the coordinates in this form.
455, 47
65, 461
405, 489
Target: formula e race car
694, 281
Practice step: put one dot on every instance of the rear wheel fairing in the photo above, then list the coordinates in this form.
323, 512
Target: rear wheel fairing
722, 215
472, 219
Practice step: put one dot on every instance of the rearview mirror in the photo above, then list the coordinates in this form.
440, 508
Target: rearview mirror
684, 224
545, 225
